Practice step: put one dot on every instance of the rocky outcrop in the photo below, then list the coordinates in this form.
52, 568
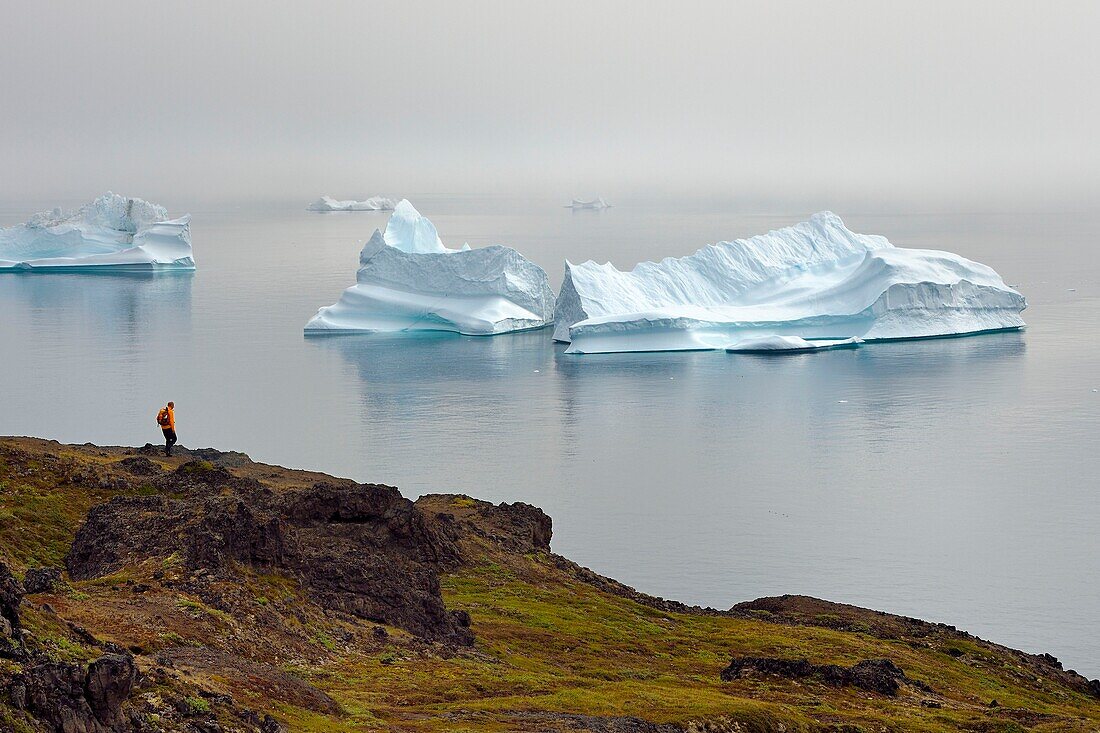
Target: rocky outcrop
41, 580
360, 549
873, 675
69, 698
75, 699
807, 611
106, 687
140, 466
517, 527
11, 595
799, 610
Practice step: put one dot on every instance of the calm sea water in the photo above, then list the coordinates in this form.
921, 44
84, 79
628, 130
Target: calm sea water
954, 480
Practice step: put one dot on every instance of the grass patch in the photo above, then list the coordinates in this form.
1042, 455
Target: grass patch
197, 609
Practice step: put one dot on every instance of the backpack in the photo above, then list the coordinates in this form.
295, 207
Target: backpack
162, 418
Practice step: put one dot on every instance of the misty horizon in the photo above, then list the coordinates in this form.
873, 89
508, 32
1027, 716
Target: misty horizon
869, 106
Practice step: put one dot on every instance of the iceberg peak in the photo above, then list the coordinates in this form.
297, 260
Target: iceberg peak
410, 231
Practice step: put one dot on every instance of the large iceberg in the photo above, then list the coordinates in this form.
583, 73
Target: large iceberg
814, 280
374, 203
113, 232
409, 281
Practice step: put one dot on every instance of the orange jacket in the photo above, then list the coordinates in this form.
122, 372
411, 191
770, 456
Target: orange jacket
171, 418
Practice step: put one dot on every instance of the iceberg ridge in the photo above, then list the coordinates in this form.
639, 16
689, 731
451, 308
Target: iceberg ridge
596, 203
374, 203
112, 232
813, 280
409, 281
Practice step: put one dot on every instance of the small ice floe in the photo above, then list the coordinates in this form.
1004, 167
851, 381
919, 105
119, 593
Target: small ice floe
374, 203
775, 344
596, 203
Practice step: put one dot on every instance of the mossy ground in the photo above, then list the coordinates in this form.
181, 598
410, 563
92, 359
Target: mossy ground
547, 643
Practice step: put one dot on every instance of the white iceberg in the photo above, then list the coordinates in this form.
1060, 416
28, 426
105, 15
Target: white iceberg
409, 281
814, 280
374, 203
596, 203
113, 232
775, 344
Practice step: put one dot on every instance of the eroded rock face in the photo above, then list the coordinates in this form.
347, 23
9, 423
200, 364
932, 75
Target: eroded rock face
517, 527
106, 687
11, 595
73, 699
362, 549
67, 697
526, 528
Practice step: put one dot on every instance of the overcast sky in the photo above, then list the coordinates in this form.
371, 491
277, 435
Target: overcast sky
937, 101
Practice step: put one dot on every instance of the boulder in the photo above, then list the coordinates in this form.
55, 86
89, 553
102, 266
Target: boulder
41, 580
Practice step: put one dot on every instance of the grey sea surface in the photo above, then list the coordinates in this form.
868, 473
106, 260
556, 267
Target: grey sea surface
954, 480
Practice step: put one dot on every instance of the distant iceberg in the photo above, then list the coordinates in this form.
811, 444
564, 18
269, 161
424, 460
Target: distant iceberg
814, 280
113, 232
374, 203
597, 203
409, 281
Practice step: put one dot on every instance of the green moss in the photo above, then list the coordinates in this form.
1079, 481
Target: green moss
324, 640
145, 490
14, 722
61, 649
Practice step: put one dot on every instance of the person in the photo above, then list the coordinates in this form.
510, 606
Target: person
166, 418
